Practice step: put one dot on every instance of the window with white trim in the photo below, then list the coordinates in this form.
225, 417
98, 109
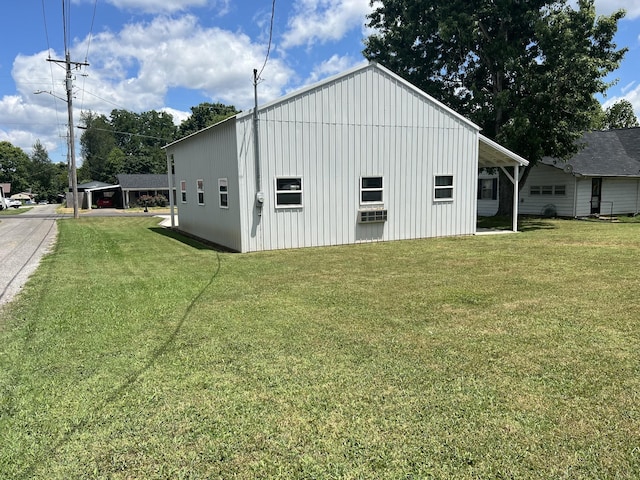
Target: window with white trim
487, 189
288, 192
183, 191
223, 192
443, 188
200, 190
548, 190
371, 190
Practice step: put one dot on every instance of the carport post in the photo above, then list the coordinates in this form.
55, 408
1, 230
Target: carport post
516, 176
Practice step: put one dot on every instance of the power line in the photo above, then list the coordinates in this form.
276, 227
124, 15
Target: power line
273, 14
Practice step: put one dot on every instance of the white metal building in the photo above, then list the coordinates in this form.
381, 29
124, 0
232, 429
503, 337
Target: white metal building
363, 156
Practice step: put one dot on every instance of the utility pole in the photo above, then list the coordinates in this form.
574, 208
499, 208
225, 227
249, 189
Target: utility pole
72, 143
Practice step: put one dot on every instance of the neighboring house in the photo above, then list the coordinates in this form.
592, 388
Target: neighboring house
601, 179
363, 156
134, 186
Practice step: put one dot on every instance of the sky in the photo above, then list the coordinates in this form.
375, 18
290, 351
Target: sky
171, 55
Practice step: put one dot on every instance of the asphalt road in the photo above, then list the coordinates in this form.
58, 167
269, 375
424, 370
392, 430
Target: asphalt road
24, 239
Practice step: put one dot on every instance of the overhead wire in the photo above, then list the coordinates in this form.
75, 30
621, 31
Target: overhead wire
273, 14
46, 33
86, 57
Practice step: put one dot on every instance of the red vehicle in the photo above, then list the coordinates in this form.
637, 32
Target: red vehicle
105, 202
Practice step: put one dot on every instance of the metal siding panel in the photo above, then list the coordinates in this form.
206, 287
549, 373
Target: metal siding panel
212, 156
364, 124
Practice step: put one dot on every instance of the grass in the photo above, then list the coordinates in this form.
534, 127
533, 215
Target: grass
136, 353
14, 211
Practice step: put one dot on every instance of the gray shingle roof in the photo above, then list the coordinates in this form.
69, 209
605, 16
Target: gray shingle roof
608, 153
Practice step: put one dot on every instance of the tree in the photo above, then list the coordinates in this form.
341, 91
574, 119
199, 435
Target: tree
42, 174
14, 167
141, 137
619, 115
205, 115
96, 143
525, 72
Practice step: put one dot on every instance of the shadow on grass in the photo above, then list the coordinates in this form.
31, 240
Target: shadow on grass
127, 382
197, 243
525, 224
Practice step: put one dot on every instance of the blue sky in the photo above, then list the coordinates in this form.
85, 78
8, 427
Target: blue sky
174, 54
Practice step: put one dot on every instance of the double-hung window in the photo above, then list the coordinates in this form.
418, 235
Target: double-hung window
443, 188
288, 192
200, 189
487, 189
371, 190
223, 192
183, 191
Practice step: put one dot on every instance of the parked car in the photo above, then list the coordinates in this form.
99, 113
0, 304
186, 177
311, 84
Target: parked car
13, 203
105, 202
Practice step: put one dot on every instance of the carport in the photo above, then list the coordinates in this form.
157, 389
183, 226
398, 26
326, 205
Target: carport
493, 155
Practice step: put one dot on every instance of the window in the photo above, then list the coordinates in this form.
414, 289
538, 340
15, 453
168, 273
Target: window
443, 187
548, 190
183, 191
200, 189
289, 192
223, 192
487, 189
371, 190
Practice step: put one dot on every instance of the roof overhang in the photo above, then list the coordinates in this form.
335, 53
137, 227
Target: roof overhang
97, 189
492, 154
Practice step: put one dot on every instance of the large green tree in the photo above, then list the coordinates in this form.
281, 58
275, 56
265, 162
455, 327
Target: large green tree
525, 71
96, 143
14, 167
140, 137
205, 115
125, 142
46, 183
619, 115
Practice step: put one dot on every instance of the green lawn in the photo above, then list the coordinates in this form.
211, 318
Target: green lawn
135, 353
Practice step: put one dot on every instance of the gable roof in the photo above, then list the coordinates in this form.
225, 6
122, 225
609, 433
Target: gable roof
353, 71
606, 153
142, 181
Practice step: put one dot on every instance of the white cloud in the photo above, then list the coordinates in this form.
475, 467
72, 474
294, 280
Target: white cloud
134, 69
160, 6
324, 20
332, 66
607, 7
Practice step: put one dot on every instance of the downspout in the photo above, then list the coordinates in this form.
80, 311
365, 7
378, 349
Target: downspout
256, 146
170, 178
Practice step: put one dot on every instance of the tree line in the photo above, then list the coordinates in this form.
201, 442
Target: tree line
123, 142
129, 142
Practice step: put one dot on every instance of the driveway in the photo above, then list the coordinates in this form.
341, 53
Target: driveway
24, 239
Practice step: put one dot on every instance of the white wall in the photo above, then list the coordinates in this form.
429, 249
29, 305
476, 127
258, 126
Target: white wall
544, 175
209, 155
365, 124
623, 192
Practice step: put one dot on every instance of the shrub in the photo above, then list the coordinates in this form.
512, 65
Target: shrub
151, 201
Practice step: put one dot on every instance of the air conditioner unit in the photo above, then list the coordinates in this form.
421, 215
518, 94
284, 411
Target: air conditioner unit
372, 216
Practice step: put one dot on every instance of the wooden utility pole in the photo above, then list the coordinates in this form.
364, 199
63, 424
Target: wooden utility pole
72, 143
